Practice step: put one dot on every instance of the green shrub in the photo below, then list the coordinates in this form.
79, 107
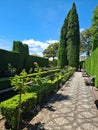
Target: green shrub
35, 95
5, 82
9, 108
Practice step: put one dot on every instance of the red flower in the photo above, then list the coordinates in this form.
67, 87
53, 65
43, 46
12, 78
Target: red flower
35, 63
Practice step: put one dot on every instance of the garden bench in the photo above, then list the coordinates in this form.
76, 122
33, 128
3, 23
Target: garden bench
90, 81
84, 73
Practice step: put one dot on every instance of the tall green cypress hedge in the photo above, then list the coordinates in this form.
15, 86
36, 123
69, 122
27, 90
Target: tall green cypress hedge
73, 38
20, 58
23, 50
94, 28
95, 43
9, 57
91, 65
68, 52
62, 49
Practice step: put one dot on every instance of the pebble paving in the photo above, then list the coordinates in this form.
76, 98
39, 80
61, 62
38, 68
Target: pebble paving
72, 108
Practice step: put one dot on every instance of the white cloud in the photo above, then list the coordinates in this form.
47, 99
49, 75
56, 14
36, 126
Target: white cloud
52, 41
40, 54
33, 43
82, 29
37, 47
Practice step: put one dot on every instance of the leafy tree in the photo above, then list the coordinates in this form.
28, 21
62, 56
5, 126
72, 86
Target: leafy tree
51, 51
62, 49
73, 38
85, 41
19, 84
94, 28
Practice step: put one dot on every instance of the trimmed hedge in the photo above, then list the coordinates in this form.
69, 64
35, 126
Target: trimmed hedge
91, 65
38, 95
9, 57
5, 82
9, 108
19, 58
30, 59
20, 48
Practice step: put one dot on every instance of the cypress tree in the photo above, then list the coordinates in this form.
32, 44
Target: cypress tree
94, 28
73, 38
62, 49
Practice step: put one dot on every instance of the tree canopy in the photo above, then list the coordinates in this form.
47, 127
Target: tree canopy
85, 41
51, 51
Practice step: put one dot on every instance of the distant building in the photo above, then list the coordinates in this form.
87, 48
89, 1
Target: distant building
82, 58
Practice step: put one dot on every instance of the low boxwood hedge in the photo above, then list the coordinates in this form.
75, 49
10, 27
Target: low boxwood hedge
36, 95
9, 108
5, 82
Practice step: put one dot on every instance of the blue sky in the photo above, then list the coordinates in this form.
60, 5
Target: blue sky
38, 22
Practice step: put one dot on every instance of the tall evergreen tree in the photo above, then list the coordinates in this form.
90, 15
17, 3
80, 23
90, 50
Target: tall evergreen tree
73, 38
62, 50
94, 28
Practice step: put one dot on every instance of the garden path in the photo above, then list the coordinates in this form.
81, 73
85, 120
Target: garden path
72, 108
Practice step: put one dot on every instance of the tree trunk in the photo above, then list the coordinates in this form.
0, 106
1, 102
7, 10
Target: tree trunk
19, 111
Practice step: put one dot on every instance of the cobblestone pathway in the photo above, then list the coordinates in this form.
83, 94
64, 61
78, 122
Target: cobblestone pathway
72, 108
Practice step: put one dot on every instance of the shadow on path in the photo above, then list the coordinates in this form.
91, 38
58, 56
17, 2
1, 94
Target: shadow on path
59, 97
96, 103
50, 108
36, 126
56, 98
